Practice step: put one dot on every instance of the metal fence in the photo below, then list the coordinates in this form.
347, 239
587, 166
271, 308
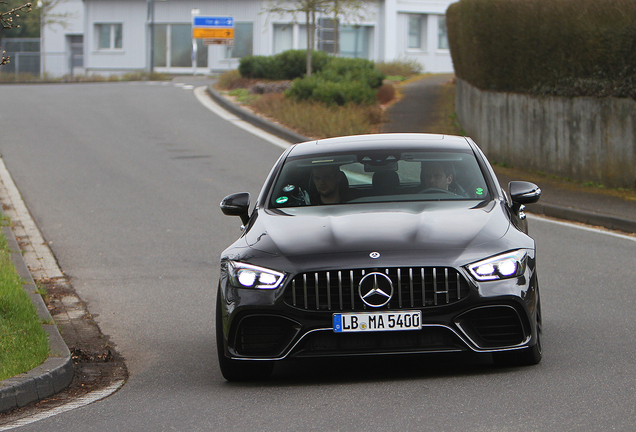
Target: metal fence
24, 55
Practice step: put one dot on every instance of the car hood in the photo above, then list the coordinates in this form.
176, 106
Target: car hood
393, 228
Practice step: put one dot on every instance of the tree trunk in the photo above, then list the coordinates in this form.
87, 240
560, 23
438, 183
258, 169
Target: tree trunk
309, 43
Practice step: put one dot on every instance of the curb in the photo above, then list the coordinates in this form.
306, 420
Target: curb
550, 210
584, 216
57, 372
257, 121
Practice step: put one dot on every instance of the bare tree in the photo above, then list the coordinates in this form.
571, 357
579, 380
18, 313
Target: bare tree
6, 20
354, 10
310, 8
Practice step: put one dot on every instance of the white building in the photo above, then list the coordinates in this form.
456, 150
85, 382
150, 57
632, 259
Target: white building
118, 36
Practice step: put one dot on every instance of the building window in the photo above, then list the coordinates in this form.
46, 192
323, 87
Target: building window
109, 36
283, 37
354, 41
181, 45
243, 41
173, 46
417, 31
442, 33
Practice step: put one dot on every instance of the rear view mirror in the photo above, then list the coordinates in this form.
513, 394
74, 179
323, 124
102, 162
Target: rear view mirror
237, 204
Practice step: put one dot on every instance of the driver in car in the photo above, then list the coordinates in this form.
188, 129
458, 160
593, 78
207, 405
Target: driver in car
327, 180
437, 175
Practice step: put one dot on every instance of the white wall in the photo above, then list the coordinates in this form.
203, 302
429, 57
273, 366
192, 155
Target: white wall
395, 24
56, 57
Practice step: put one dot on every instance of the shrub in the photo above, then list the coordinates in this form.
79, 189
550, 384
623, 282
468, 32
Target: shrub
258, 67
565, 47
287, 65
386, 93
353, 69
344, 92
341, 81
292, 64
317, 88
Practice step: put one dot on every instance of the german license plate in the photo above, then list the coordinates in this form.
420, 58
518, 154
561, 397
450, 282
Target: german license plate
376, 321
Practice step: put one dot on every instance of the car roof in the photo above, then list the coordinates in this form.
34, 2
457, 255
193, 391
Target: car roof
381, 142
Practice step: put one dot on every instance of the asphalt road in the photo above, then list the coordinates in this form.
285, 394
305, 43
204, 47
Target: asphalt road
124, 181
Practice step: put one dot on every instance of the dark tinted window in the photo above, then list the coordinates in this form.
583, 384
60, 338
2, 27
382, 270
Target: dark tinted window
379, 177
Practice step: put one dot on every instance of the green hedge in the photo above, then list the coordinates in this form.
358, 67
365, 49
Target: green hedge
316, 88
287, 65
556, 47
341, 81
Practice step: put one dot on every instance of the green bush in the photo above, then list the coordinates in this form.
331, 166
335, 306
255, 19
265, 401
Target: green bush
344, 92
258, 67
340, 82
292, 64
558, 47
352, 69
302, 89
317, 88
288, 65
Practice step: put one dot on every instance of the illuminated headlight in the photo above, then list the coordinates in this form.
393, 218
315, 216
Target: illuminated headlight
508, 265
244, 275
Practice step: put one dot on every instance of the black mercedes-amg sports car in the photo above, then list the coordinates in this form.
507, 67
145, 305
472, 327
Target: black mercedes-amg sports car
379, 244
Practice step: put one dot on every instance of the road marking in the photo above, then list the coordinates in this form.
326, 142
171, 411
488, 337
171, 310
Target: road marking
207, 102
77, 403
583, 227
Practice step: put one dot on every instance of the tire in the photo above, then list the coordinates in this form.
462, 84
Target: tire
527, 356
237, 370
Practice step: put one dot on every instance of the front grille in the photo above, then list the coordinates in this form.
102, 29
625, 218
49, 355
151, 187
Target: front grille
414, 287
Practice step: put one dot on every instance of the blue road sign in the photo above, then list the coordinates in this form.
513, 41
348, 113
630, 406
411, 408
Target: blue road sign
211, 21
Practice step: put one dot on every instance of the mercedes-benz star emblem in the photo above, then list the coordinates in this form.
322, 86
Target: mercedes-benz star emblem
375, 289
374, 255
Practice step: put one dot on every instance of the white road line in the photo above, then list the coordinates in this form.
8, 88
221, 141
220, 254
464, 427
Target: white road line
582, 227
207, 102
77, 403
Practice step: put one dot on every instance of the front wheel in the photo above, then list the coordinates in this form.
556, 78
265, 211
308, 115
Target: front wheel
237, 370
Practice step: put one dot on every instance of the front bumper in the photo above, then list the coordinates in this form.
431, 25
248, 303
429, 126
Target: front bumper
265, 325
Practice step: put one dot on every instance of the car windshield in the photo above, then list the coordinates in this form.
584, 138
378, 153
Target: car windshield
379, 177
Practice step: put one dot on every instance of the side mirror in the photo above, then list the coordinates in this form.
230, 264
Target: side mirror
523, 192
237, 204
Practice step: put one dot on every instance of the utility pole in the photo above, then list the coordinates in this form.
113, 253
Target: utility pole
151, 13
40, 5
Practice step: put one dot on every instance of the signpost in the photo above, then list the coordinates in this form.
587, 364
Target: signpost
213, 30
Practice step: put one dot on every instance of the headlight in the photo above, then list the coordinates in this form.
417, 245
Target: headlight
504, 266
244, 275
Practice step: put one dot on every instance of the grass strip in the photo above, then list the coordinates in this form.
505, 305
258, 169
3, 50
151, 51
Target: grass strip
23, 342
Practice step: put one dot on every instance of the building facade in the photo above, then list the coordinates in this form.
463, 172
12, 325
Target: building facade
118, 36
